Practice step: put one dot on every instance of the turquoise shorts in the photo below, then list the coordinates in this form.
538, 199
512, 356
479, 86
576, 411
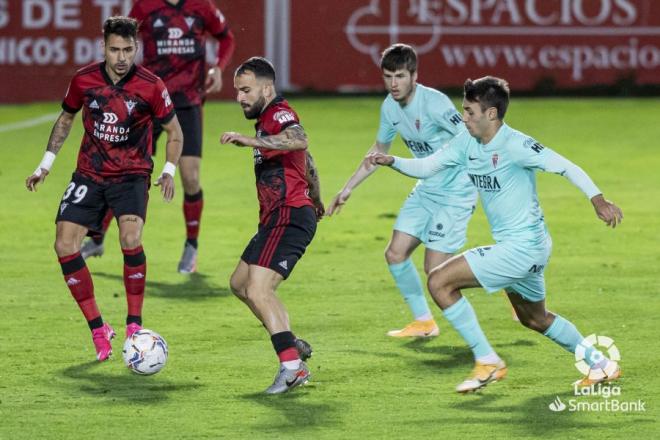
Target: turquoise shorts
441, 228
515, 266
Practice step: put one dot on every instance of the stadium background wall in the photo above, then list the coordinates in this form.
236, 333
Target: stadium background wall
331, 47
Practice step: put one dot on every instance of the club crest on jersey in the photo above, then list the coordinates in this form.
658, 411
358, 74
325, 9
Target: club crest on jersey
283, 117
495, 158
190, 21
130, 105
166, 98
174, 33
417, 124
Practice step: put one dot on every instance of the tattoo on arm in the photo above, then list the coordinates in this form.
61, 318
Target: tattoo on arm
60, 132
293, 138
313, 179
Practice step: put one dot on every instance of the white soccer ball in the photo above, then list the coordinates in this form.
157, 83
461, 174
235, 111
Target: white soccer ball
145, 352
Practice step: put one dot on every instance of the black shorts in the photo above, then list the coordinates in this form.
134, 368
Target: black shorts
282, 242
190, 119
85, 202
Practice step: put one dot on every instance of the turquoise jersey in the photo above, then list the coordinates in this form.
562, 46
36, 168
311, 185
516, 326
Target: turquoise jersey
427, 123
504, 173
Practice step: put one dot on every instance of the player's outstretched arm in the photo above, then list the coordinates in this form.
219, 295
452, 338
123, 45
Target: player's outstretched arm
314, 186
364, 170
58, 135
607, 211
172, 153
292, 138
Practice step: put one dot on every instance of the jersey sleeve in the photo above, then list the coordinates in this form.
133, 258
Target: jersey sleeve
532, 154
444, 113
215, 24
73, 100
451, 155
137, 13
281, 119
386, 130
161, 103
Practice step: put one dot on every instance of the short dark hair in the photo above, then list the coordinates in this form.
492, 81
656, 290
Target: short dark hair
399, 56
260, 66
488, 91
125, 27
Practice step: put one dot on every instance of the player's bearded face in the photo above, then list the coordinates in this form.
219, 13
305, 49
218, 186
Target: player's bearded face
399, 84
119, 54
250, 94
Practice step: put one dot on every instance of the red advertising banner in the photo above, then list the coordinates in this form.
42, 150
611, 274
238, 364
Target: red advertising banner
43, 42
568, 43
335, 46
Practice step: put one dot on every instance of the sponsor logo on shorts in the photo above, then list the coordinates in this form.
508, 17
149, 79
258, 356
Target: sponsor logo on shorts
284, 265
63, 206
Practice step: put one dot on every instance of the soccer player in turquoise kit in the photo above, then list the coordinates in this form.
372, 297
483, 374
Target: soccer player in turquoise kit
438, 210
502, 165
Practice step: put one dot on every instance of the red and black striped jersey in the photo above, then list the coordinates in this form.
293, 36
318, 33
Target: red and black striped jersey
281, 175
117, 120
174, 39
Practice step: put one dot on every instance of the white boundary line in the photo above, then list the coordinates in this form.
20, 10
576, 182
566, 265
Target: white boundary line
29, 122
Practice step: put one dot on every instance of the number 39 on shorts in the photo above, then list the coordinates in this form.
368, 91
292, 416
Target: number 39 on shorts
78, 193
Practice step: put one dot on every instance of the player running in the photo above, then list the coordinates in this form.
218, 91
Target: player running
119, 102
289, 207
438, 209
174, 34
502, 165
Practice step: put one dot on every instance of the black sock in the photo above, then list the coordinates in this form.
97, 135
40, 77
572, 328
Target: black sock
133, 319
95, 323
192, 242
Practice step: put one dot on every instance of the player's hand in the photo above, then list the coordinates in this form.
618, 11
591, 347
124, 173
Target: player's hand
319, 208
607, 211
379, 159
166, 183
235, 138
338, 202
213, 82
32, 181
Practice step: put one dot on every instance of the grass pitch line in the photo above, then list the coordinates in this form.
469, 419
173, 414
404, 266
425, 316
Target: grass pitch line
29, 122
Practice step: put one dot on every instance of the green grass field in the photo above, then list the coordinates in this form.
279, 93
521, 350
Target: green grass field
340, 297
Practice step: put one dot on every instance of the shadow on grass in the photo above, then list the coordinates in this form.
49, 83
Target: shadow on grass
294, 412
532, 418
193, 287
91, 378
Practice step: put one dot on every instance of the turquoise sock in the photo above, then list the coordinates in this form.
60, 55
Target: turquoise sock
564, 333
410, 285
462, 317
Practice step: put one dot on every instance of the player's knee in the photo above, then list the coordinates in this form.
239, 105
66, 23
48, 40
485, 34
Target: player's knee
237, 286
393, 256
130, 239
190, 183
437, 283
65, 246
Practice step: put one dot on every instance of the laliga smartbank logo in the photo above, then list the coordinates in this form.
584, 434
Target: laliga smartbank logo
597, 358
603, 367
